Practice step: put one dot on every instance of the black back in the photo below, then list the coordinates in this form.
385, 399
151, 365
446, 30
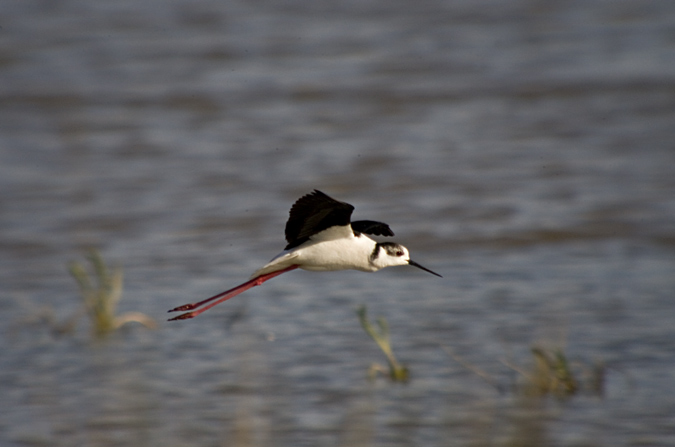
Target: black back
371, 227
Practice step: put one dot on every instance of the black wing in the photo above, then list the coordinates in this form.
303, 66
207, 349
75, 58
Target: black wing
372, 227
312, 214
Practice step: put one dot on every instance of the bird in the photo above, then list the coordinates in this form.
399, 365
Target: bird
321, 237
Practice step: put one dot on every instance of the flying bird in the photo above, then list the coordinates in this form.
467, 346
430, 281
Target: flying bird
321, 237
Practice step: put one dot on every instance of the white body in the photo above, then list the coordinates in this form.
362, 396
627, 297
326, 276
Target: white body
336, 248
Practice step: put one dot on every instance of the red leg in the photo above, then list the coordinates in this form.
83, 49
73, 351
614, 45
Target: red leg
226, 295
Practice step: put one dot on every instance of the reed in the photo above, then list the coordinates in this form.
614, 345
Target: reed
551, 373
101, 293
396, 371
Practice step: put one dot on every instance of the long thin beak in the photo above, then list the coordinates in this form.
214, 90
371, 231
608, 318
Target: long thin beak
411, 262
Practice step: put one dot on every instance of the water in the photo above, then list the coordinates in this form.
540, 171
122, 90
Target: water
524, 150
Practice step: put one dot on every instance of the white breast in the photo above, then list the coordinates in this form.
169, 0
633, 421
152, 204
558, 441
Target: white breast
351, 253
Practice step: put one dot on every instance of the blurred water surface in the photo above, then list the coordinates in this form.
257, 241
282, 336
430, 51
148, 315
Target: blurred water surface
523, 149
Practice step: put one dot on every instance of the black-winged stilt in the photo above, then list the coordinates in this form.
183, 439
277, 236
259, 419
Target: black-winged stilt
321, 237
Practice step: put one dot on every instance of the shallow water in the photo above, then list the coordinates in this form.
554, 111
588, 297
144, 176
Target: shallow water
524, 150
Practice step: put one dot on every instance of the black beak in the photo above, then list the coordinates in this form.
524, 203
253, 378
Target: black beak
411, 262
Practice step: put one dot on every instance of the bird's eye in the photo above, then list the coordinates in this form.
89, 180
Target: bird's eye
399, 253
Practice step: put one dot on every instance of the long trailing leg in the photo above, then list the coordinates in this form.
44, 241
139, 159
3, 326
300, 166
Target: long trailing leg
226, 295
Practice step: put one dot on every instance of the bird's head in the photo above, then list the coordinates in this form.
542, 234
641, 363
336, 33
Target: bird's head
390, 254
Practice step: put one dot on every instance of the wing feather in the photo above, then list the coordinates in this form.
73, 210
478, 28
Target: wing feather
313, 213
